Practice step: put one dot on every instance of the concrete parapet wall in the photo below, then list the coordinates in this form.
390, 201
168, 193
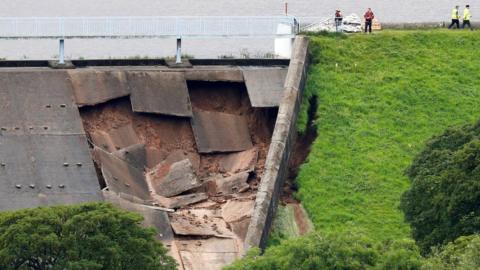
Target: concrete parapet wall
276, 166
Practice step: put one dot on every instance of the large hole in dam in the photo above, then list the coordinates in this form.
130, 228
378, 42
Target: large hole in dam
186, 148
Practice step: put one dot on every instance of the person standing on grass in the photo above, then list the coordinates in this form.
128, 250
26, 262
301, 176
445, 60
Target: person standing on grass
369, 16
466, 17
455, 18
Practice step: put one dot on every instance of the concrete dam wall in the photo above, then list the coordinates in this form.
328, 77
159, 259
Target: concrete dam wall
191, 149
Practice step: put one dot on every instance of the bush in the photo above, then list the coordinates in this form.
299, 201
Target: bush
463, 254
89, 236
332, 251
443, 200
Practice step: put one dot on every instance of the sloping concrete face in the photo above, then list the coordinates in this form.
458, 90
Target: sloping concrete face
94, 87
265, 85
220, 132
159, 92
44, 153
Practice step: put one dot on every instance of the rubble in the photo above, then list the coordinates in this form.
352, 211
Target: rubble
169, 180
236, 183
238, 162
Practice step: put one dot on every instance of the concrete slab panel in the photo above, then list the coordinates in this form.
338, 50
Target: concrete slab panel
92, 87
46, 170
220, 132
121, 177
265, 85
38, 102
115, 139
159, 92
153, 217
207, 254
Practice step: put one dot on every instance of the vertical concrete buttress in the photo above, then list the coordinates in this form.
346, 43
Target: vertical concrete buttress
276, 166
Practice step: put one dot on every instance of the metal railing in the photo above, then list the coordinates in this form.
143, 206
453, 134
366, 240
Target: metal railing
143, 27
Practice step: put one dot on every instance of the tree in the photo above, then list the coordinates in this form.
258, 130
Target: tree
443, 200
463, 254
88, 236
346, 251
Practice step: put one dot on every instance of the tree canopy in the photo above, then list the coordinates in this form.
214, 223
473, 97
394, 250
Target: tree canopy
462, 254
347, 251
443, 200
88, 236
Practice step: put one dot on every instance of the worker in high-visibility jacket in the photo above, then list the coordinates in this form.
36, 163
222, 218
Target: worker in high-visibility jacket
455, 18
466, 17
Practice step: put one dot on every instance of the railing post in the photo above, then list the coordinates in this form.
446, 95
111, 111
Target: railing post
61, 52
178, 59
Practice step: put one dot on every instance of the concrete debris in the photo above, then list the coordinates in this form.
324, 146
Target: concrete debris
159, 92
169, 180
241, 161
134, 154
199, 222
220, 132
115, 139
121, 177
237, 210
236, 183
153, 216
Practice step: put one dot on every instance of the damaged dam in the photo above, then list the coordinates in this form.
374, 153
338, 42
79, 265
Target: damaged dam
201, 151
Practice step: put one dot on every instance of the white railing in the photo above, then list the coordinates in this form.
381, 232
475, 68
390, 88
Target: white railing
143, 27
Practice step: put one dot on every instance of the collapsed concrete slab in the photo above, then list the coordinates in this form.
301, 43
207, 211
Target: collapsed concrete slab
200, 222
134, 155
238, 162
92, 87
153, 216
172, 179
228, 185
185, 200
264, 85
220, 132
115, 139
121, 177
159, 92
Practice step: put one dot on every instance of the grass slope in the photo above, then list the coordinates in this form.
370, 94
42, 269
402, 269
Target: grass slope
380, 98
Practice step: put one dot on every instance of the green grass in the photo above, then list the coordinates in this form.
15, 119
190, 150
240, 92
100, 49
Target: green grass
380, 98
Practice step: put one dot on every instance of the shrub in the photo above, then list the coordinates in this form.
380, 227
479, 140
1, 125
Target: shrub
463, 254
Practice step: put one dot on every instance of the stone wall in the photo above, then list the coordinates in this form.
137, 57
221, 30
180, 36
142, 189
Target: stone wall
283, 138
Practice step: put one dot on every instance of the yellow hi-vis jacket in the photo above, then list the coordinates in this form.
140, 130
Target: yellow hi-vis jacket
466, 15
455, 14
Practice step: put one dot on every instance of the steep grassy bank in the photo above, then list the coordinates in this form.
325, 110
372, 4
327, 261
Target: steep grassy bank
380, 97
